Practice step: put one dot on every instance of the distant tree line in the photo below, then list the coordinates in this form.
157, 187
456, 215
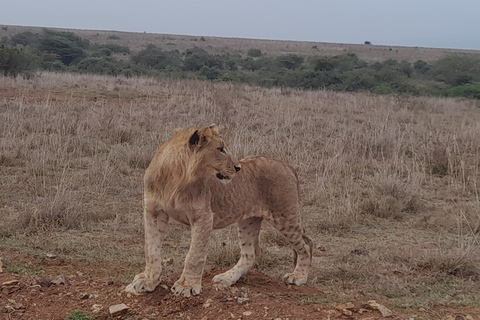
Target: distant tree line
27, 52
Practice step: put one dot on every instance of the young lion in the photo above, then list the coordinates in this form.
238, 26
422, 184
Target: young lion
194, 180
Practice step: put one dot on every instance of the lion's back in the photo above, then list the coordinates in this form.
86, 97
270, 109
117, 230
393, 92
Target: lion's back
263, 185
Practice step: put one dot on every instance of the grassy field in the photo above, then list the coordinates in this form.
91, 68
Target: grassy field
389, 183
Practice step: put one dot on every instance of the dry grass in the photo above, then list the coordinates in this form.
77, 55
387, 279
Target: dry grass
396, 175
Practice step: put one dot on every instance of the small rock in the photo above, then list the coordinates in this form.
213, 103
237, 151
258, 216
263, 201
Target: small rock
84, 296
207, 303
459, 318
320, 247
345, 306
242, 300
167, 262
10, 283
347, 313
60, 280
383, 310
118, 309
1, 265
43, 282
247, 313
96, 308
51, 256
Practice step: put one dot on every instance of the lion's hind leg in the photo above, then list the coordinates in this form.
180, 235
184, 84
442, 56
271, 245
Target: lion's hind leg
302, 246
248, 234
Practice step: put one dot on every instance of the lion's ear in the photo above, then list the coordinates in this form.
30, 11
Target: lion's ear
194, 140
214, 128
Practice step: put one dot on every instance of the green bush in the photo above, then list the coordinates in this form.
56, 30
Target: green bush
68, 46
468, 90
156, 58
15, 61
457, 70
254, 53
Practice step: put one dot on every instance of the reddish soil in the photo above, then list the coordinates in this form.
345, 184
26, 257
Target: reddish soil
64, 288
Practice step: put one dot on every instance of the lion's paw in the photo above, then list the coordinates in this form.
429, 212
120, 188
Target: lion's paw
295, 278
142, 284
182, 289
222, 281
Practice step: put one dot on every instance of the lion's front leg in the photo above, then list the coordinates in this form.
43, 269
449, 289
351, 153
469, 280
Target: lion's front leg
156, 224
190, 282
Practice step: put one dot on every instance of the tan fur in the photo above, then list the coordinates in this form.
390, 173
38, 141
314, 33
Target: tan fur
186, 182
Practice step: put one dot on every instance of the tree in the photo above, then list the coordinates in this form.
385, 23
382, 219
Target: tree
254, 53
421, 66
290, 61
196, 58
457, 70
156, 58
14, 61
68, 46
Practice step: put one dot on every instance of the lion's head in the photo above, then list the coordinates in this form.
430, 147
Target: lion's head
208, 154
192, 154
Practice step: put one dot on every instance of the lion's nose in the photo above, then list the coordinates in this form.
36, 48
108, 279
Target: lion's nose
237, 168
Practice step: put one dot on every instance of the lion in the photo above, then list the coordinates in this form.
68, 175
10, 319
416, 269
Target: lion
193, 179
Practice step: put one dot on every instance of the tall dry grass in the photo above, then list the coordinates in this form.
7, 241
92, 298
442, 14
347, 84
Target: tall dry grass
395, 174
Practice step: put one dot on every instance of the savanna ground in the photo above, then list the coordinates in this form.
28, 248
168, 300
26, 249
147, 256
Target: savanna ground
389, 193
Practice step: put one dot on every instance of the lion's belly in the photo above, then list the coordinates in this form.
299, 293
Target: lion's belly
234, 204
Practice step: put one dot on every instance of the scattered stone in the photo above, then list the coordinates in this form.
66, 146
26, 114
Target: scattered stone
320, 247
10, 283
207, 303
96, 308
347, 313
60, 280
15, 305
164, 286
247, 313
84, 296
43, 282
345, 306
167, 262
383, 310
118, 309
243, 300
51, 256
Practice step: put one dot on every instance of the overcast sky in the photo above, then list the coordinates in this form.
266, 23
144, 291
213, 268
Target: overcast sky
424, 23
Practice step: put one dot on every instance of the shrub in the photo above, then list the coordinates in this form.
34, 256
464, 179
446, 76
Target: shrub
254, 53
14, 61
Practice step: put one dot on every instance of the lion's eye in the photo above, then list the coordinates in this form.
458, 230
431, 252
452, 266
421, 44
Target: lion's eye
222, 150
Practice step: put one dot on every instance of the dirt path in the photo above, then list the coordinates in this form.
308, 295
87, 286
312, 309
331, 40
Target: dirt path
64, 288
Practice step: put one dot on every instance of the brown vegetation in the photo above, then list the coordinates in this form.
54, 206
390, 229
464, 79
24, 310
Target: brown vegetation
389, 183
